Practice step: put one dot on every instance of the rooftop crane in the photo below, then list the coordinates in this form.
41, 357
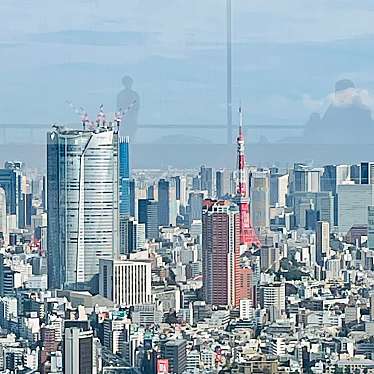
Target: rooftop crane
101, 117
83, 115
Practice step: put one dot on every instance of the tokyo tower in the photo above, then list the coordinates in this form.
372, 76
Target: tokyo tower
248, 235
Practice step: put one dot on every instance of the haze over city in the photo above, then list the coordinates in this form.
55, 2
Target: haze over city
287, 57
186, 187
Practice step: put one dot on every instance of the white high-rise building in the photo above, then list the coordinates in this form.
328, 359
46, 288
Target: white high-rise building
83, 222
278, 189
322, 241
173, 206
126, 282
183, 195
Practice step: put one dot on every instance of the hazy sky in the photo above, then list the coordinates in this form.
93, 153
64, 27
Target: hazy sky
287, 56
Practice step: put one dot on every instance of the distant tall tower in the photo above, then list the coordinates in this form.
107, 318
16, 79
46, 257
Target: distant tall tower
247, 233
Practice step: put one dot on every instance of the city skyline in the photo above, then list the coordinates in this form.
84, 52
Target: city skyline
186, 187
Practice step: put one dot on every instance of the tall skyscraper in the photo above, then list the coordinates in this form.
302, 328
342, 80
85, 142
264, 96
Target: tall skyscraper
207, 182
220, 249
44, 193
132, 198
306, 178
370, 244
195, 201
4, 235
355, 172
167, 202
177, 186
11, 182
260, 199
124, 177
173, 204
83, 224
163, 202
223, 183
278, 189
132, 235
334, 175
181, 189
196, 183
148, 214
28, 209
353, 203
322, 242
367, 173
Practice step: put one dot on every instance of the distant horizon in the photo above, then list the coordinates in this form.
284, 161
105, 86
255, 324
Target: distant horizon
286, 59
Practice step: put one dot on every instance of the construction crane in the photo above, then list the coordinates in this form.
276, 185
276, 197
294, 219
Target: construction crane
100, 117
83, 115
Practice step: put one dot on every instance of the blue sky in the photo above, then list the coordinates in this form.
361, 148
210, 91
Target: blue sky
287, 56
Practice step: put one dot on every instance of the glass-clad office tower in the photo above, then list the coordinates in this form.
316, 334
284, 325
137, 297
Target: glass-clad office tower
11, 182
124, 175
83, 194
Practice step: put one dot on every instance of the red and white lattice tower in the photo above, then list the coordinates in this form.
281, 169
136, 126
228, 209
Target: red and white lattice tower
248, 235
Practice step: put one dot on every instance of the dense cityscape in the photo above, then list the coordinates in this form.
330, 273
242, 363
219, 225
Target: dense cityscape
186, 187
105, 269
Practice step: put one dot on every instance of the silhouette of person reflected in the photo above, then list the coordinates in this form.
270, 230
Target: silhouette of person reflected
128, 101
